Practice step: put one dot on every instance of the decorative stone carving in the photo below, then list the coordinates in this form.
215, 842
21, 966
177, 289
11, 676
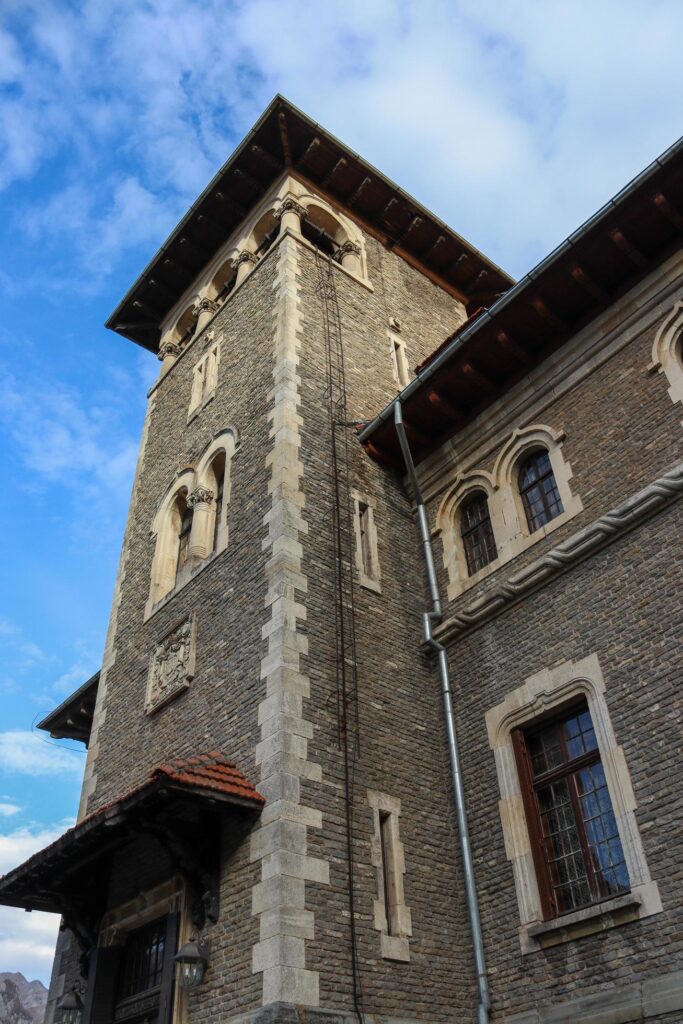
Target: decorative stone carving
168, 352
172, 665
243, 263
290, 213
204, 310
348, 255
201, 495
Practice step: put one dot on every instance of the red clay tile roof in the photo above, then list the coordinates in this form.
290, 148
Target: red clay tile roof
209, 771
192, 775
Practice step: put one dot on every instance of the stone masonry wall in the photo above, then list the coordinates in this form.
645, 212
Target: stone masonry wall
620, 605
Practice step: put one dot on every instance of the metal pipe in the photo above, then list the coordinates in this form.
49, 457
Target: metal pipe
454, 752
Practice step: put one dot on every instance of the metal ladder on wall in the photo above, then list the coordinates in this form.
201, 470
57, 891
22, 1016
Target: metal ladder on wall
343, 575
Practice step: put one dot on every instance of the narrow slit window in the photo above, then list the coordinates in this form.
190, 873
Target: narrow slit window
204, 379
219, 473
387, 873
579, 857
399, 361
364, 531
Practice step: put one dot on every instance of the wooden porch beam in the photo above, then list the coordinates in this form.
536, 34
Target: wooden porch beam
284, 138
668, 211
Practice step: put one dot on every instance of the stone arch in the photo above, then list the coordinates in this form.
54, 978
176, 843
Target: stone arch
667, 351
448, 522
264, 233
185, 325
213, 476
222, 281
166, 535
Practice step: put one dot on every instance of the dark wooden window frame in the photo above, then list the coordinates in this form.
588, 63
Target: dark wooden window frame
540, 485
478, 540
529, 786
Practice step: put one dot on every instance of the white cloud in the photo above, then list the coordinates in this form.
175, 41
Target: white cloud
27, 941
7, 810
27, 753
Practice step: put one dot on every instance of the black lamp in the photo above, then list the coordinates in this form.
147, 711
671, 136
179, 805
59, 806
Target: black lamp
71, 1007
192, 959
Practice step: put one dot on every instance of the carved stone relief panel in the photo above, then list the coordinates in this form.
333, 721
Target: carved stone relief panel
172, 665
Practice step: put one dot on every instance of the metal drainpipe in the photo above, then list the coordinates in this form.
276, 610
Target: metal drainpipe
456, 773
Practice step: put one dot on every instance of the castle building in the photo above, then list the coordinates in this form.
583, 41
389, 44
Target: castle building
388, 720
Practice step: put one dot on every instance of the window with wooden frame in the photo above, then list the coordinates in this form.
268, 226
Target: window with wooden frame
539, 491
391, 917
477, 533
133, 982
575, 842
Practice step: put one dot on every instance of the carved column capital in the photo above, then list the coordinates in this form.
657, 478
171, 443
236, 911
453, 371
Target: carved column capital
200, 496
244, 257
244, 263
205, 305
168, 350
348, 255
290, 205
203, 311
348, 249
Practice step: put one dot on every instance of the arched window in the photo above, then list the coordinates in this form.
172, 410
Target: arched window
185, 326
539, 491
223, 282
265, 233
322, 230
477, 533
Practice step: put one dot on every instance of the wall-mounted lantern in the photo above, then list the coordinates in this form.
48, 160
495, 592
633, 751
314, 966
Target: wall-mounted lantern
192, 960
71, 1007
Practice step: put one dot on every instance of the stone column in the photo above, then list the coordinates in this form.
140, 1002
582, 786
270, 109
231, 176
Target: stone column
244, 263
349, 257
168, 353
290, 213
204, 311
201, 534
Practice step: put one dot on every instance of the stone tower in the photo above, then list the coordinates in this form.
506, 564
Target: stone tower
317, 531
222, 648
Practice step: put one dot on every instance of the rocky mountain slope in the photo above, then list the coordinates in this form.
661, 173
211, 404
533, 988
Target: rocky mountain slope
21, 1001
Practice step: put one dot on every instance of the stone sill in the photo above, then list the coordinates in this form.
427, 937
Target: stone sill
368, 583
610, 914
167, 598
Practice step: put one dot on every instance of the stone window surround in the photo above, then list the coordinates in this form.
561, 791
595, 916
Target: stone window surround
240, 248
191, 480
168, 898
395, 946
201, 393
508, 518
369, 581
542, 692
667, 352
400, 367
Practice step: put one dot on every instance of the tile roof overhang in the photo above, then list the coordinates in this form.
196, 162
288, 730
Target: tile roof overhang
181, 805
72, 720
622, 243
284, 139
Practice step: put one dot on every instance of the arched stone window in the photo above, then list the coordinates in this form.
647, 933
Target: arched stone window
265, 232
171, 530
222, 282
476, 532
185, 326
538, 490
667, 352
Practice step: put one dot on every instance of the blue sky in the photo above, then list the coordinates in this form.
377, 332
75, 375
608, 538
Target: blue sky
512, 121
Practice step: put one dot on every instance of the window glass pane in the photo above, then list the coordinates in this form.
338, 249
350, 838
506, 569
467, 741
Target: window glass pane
477, 533
143, 960
538, 488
